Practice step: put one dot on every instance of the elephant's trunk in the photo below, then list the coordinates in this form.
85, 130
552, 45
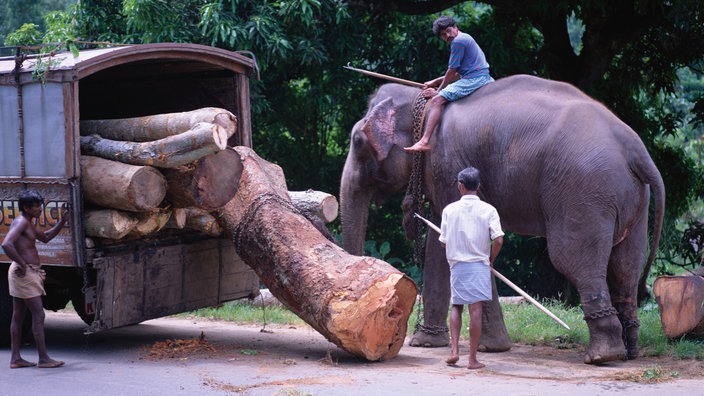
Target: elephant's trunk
355, 199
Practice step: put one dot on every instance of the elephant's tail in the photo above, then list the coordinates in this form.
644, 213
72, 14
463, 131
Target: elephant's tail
649, 173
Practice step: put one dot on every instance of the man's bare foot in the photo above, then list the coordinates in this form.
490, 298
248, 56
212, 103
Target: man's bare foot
452, 360
21, 363
419, 146
51, 363
474, 365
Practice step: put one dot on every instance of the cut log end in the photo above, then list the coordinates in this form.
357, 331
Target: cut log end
378, 335
681, 303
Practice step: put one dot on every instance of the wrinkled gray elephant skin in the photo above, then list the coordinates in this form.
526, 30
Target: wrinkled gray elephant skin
554, 163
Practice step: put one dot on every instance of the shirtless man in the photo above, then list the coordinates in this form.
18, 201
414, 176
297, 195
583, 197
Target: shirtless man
26, 278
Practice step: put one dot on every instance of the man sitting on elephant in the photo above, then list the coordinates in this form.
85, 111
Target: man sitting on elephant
466, 72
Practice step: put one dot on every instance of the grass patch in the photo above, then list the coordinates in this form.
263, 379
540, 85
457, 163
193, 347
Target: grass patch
245, 313
525, 323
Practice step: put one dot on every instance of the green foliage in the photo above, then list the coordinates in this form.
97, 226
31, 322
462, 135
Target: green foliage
27, 34
382, 253
244, 312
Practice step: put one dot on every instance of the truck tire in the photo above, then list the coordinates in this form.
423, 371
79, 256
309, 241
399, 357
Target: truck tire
6, 314
79, 305
5, 308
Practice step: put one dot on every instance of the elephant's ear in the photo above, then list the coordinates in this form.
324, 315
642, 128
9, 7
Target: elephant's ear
379, 128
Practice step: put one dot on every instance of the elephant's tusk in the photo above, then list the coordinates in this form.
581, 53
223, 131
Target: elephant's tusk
503, 278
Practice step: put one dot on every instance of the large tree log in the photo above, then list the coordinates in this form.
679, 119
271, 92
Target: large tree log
209, 183
318, 203
361, 304
154, 127
169, 152
681, 303
108, 223
121, 186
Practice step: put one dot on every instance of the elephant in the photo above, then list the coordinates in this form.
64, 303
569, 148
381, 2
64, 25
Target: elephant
554, 163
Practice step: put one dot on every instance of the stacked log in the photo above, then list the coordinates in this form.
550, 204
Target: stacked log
168, 171
142, 175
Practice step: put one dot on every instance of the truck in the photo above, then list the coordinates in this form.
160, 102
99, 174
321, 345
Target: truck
43, 99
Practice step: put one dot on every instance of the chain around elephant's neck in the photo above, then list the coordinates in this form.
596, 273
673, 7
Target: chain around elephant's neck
415, 184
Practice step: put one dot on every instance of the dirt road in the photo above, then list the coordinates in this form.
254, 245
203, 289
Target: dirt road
243, 360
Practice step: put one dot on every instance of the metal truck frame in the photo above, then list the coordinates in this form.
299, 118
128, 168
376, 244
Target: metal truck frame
113, 284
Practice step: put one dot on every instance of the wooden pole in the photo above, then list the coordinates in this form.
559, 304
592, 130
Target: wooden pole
385, 77
508, 282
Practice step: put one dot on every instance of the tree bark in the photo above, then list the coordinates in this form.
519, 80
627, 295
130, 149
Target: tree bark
121, 186
169, 152
361, 304
108, 223
318, 203
209, 183
154, 127
681, 302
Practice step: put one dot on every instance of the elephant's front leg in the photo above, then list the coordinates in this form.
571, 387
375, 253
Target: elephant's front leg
433, 332
494, 334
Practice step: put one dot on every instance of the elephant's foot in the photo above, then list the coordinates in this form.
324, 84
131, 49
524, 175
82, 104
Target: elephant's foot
421, 339
492, 343
605, 339
630, 338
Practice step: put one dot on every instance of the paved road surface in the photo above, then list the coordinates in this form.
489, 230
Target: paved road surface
298, 361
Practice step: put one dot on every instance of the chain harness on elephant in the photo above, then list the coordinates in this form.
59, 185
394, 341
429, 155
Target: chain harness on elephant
415, 190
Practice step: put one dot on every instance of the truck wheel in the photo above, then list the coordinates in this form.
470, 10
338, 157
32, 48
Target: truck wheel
6, 314
78, 300
5, 308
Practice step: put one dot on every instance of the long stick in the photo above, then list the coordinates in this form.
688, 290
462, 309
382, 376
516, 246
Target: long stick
384, 76
503, 278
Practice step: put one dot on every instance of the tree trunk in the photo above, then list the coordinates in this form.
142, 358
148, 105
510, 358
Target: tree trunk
209, 183
361, 304
318, 203
108, 223
681, 302
169, 152
121, 186
155, 127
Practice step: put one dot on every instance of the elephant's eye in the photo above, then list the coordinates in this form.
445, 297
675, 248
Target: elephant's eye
359, 142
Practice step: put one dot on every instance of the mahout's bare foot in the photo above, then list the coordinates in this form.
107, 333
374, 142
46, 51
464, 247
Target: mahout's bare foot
452, 360
419, 146
475, 365
21, 363
51, 363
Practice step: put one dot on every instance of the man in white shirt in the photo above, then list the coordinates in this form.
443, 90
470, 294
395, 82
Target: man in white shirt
468, 228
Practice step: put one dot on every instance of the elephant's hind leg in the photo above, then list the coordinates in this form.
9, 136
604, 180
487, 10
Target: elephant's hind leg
605, 342
583, 259
625, 266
